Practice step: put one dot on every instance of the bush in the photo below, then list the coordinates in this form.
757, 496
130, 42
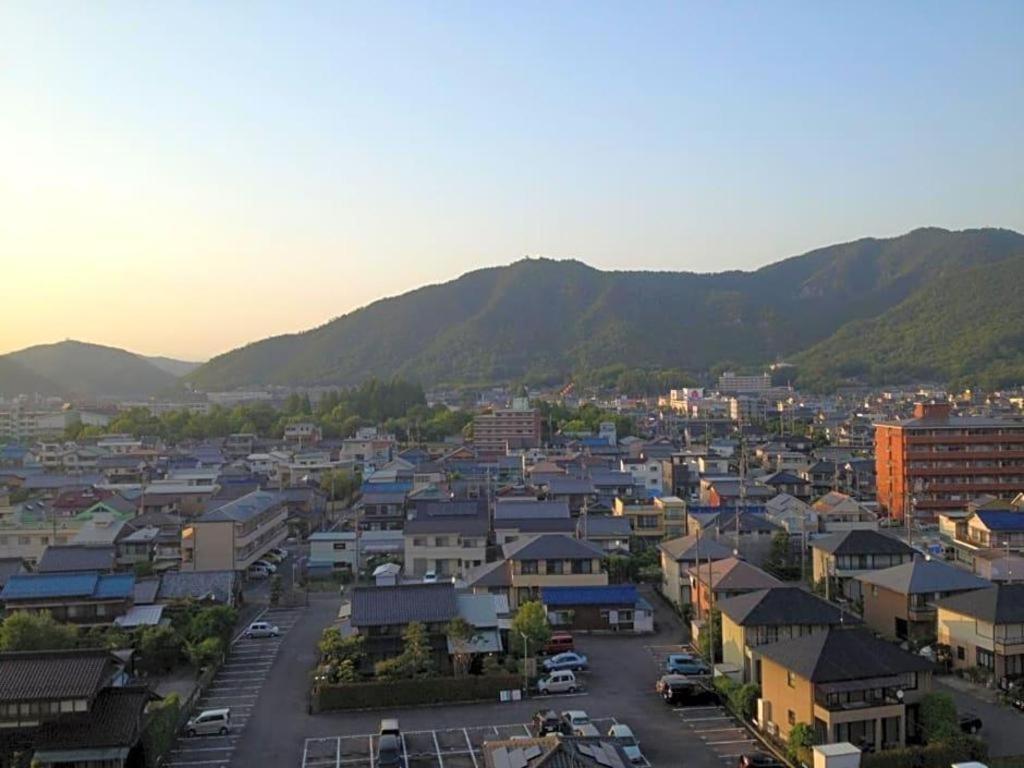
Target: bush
416, 692
801, 739
25, 631
161, 728
938, 755
217, 622
206, 652
159, 648
743, 700
939, 721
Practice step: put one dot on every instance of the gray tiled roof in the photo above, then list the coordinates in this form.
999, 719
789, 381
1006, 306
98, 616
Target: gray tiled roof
999, 604
400, 604
537, 525
688, 549
924, 576
780, 606
37, 675
604, 525
496, 574
861, 542
177, 585
552, 546
505, 509
243, 509
76, 557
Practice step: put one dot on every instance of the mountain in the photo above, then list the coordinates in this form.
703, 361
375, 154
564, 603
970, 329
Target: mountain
543, 320
86, 370
16, 379
176, 368
966, 327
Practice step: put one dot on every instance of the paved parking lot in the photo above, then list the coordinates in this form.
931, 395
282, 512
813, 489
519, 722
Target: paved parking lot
444, 748
237, 686
720, 731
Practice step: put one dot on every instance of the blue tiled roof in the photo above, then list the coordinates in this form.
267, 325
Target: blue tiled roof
617, 594
54, 585
999, 520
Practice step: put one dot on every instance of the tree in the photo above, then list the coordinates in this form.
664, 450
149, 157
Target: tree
216, 621
160, 649
206, 652
461, 635
340, 656
939, 721
711, 637
801, 738
276, 589
416, 659
24, 631
532, 621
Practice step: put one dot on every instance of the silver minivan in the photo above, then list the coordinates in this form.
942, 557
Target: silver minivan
562, 681
209, 722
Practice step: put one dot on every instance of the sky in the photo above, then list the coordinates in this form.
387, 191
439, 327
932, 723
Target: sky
184, 178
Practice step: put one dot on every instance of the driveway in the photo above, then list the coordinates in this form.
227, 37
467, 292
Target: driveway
1002, 727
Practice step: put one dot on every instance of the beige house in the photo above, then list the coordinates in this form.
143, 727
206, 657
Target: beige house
447, 544
846, 684
232, 537
653, 520
678, 556
839, 512
985, 629
722, 579
842, 557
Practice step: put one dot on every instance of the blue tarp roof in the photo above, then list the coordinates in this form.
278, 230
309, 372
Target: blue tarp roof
613, 594
86, 584
1000, 520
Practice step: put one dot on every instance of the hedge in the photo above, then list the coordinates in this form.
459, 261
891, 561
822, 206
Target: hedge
161, 728
937, 755
406, 693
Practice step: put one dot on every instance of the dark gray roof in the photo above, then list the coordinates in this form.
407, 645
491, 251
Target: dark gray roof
10, 566
244, 508
688, 549
604, 525
861, 542
467, 526
749, 521
505, 509
146, 591
780, 606
570, 485
842, 654
37, 675
552, 546
921, 576
115, 720
68, 558
178, 585
496, 574
537, 525
999, 604
402, 603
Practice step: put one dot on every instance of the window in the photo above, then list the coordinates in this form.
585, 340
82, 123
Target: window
986, 659
582, 566
791, 679
528, 566
419, 541
556, 566
791, 717
874, 590
960, 652
340, 545
23, 540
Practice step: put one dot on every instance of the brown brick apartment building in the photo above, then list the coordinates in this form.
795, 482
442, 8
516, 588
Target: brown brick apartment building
943, 461
496, 431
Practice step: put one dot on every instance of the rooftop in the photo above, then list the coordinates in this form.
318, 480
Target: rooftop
552, 546
999, 604
734, 574
243, 509
612, 594
76, 557
691, 548
861, 542
520, 509
65, 674
924, 576
50, 586
402, 603
780, 606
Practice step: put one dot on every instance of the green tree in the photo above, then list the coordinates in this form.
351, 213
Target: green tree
206, 652
416, 659
711, 637
462, 635
215, 621
801, 738
530, 620
939, 721
160, 649
24, 631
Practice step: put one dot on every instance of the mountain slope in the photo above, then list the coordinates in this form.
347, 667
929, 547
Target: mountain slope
176, 368
16, 379
89, 370
544, 319
966, 327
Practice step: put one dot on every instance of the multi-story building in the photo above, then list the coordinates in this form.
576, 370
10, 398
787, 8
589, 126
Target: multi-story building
937, 462
446, 538
652, 521
730, 383
502, 429
985, 629
235, 535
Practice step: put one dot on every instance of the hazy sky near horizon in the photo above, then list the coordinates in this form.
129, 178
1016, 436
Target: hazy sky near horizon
183, 178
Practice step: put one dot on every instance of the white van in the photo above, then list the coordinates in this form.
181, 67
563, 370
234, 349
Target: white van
209, 722
562, 681
257, 571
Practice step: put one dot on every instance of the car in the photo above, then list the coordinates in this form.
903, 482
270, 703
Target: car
559, 642
430, 577
571, 660
684, 690
623, 734
1018, 702
389, 751
267, 564
281, 552
389, 726
969, 722
209, 722
559, 681
759, 760
677, 666
577, 722
256, 571
262, 629
547, 721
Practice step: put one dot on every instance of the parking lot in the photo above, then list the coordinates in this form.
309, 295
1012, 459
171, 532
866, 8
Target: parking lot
444, 748
236, 686
720, 731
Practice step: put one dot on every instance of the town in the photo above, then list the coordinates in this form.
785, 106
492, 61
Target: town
735, 574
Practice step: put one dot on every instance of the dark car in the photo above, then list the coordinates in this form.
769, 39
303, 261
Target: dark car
680, 690
759, 760
547, 721
970, 722
389, 751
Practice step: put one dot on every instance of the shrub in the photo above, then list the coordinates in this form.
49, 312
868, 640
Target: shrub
161, 728
216, 621
937, 755
743, 700
939, 721
426, 690
25, 631
160, 649
801, 738
206, 652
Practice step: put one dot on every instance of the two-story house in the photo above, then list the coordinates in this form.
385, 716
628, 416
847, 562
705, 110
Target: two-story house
899, 602
678, 556
446, 538
382, 613
846, 684
516, 519
711, 583
985, 629
838, 559
769, 616
840, 512
86, 597
234, 536
610, 533
652, 520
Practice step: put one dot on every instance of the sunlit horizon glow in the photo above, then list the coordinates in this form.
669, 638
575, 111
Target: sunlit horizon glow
182, 179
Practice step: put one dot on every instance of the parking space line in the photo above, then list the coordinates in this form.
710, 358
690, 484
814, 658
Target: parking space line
734, 741
469, 744
437, 748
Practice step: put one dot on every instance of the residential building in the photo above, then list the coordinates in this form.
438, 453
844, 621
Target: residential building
985, 629
235, 535
678, 556
839, 558
646, 471
501, 430
382, 506
610, 533
840, 512
519, 518
730, 383
86, 597
711, 583
70, 558
937, 461
746, 532
447, 538
794, 516
381, 615
899, 602
220, 587
332, 552
847, 685
651, 521
304, 433
609, 608
770, 616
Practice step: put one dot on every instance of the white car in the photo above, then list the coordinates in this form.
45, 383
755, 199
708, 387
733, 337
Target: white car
271, 568
579, 723
262, 629
627, 740
281, 552
209, 722
430, 577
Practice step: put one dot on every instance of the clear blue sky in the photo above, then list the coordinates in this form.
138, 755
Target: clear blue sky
182, 177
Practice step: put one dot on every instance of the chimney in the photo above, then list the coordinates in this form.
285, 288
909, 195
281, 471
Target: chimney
932, 411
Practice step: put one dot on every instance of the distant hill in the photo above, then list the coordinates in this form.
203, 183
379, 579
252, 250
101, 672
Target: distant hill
16, 379
543, 320
176, 368
88, 370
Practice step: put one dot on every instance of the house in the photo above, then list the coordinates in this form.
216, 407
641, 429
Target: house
606, 531
646, 472
235, 535
381, 614
71, 708
988, 533
76, 557
86, 597
769, 616
839, 512
447, 538
651, 521
985, 629
789, 483
480, 611
221, 587
303, 433
554, 751
152, 537
746, 531
840, 557
899, 602
678, 556
794, 516
520, 518
846, 684
382, 506
551, 560
731, 491
608, 608
721, 579
332, 552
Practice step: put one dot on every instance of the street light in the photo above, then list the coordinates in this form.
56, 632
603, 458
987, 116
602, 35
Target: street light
526, 654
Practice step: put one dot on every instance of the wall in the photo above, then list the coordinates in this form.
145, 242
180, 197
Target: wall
733, 643
776, 690
670, 584
213, 547
954, 630
881, 609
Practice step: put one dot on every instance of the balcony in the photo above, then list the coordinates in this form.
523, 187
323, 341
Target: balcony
858, 694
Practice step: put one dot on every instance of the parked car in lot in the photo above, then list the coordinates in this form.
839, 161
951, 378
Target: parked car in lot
389, 751
578, 723
684, 690
683, 664
267, 564
759, 760
547, 721
572, 660
430, 577
389, 726
623, 734
969, 722
257, 571
262, 629
209, 722
559, 642
560, 681
281, 552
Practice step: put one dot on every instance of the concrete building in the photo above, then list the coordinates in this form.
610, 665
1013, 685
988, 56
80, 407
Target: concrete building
729, 383
447, 538
235, 535
503, 429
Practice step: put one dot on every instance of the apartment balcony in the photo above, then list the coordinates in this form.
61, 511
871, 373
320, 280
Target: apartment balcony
858, 694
